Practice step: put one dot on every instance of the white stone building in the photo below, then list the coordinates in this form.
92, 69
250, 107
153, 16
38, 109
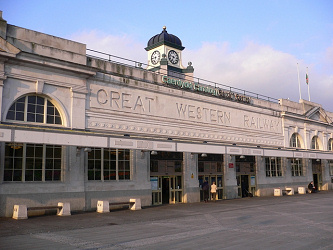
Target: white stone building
80, 128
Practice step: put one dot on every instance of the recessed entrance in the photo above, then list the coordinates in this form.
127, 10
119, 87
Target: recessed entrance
166, 177
245, 171
165, 190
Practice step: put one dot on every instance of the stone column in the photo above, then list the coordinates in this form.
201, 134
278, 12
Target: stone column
2, 79
191, 190
230, 180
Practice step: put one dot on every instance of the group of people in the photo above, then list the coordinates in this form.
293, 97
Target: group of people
213, 188
205, 188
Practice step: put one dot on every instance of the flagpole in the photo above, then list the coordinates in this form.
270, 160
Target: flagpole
307, 82
299, 84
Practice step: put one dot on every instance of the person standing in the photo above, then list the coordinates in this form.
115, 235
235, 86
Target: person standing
311, 187
205, 189
213, 190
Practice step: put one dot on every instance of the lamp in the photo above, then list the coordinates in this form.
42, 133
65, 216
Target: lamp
317, 160
78, 149
203, 155
153, 152
242, 157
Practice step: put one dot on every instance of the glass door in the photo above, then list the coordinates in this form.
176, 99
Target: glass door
156, 186
176, 189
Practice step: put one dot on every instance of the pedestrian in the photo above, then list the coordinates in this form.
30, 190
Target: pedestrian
312, 187
205, 189
213, 190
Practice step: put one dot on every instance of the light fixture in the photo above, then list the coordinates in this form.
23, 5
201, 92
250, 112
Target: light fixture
203, 155
87, 150
78, 150
317, 160
153, 152
242, 157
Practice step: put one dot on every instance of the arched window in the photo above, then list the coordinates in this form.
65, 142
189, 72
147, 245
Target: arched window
315, 143
295, 141
330, 144
34, 108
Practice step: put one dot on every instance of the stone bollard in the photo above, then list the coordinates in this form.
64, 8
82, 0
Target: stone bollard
277, 192
20, 212
136, 205
65, 210
103, 207
301, 190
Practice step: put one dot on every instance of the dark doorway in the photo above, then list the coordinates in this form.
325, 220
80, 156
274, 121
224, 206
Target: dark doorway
165, 190
245, 185
315, 181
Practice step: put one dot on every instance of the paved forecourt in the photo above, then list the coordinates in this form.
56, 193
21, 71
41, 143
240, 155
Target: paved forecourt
287, 222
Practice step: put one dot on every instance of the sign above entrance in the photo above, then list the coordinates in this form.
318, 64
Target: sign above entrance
217, 92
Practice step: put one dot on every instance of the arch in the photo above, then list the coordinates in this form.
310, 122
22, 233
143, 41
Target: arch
296, 141
316, 143
35, 108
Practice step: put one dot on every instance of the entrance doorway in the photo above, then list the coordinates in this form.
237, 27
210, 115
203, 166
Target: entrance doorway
317, 174
245, 185
166, 177
246, 178
165, 190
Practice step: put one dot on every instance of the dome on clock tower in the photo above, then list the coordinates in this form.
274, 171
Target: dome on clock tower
164, 38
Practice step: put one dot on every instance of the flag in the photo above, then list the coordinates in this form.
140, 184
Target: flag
307, 79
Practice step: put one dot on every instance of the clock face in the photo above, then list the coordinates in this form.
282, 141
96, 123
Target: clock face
155, 57
173, 57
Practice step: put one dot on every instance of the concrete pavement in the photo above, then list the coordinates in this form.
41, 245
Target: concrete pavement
288, 222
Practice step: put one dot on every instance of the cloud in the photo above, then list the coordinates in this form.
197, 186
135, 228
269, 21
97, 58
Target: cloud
255, 67
261, 69
123, 46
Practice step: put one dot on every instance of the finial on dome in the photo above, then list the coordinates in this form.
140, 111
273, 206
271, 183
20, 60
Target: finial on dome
164, 27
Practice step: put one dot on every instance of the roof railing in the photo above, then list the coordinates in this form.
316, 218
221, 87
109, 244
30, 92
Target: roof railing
135, 64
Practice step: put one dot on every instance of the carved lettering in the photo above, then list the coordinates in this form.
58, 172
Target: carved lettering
125, 101
203, 114
260, 123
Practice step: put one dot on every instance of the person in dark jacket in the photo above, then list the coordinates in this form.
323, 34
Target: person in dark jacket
311, 187
205, 189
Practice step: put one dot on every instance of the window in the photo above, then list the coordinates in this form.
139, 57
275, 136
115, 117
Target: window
273, 166
34, 108
32, 162
330, 145
211, 163
315, 143
295, 141
331, 167
296, 167
109, 164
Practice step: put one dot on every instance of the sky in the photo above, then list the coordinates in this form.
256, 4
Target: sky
261, 46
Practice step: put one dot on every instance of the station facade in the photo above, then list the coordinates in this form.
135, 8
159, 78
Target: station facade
80, 127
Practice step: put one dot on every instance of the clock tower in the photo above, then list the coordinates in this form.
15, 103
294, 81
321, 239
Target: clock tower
165, 55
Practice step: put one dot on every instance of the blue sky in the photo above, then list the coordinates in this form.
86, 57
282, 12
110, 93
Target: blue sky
252, 45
